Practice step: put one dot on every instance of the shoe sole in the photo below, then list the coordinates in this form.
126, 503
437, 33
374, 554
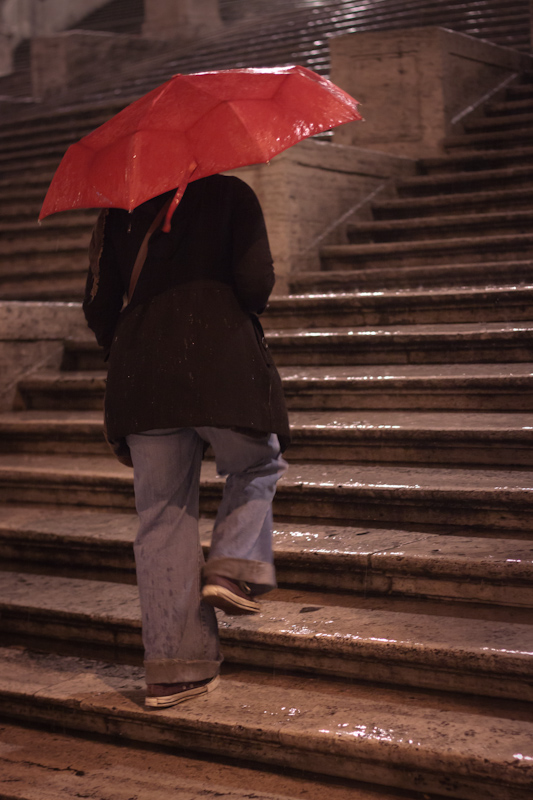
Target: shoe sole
180, 697
220, 597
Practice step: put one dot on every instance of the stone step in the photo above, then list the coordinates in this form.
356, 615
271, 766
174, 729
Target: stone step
439, 276
446, 204
442, 226
452, 566
403, 307
52, 286
46, 765
85, 113
320, 726
477, 160
408, 344
465, 181
519, 91
28, 168
54, 132
488, 303
63, 223
422, 495
35, 151
437, 343
409, 437
472, 387
18, 186
504, 108
494, 122
45, 275
45, 242
504, 138
475, 249
389, 647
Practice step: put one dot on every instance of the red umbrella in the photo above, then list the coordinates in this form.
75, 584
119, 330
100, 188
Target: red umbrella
191, 127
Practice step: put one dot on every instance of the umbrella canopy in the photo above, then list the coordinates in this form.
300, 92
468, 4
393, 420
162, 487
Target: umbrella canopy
193, 126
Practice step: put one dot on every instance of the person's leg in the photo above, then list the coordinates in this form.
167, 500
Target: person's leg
241, 547
179, 631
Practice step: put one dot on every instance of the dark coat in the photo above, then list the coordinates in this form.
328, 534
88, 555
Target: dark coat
188, 350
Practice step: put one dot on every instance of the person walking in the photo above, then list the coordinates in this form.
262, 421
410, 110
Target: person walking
189, 367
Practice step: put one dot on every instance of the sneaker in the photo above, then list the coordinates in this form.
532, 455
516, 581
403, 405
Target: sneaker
233, 597
164, 695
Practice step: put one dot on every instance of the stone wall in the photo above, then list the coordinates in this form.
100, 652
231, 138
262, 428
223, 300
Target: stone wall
414, 85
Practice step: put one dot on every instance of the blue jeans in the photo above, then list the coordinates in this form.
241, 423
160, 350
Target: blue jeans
180, 633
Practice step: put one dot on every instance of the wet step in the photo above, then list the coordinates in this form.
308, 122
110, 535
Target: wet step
89, 113
27, 167
53, 133
438, 276
45, 276
45, 242
477, 160
439, 226
501, 499
447, 304
401, 306
519, 91
415, 344
64, 222
23, 155
373, 563
340, 731
465, 181
500, 138
477, 387
502, 108
476, 249
46, 765
420, 650
407, 344
427, 206
390, 436
52, 286
504, 122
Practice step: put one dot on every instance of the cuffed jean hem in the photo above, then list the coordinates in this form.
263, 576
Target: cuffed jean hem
259, 574
174, 670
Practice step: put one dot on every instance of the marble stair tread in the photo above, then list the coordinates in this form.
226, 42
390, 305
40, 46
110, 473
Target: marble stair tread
467, 179
441, 223
476, 159
341, 484
55, 149
452, 203
349, 558
486, 386
329, 373
434, 332
341, 641
48, 243
50, 765
478, 246
343, 733
497, 122
62, 222
501, 137
466, 274
334, 423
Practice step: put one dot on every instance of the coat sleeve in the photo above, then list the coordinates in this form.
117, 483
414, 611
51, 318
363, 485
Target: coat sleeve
253, 271
104, 292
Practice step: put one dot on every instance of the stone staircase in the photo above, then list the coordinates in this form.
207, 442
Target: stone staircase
395, 659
